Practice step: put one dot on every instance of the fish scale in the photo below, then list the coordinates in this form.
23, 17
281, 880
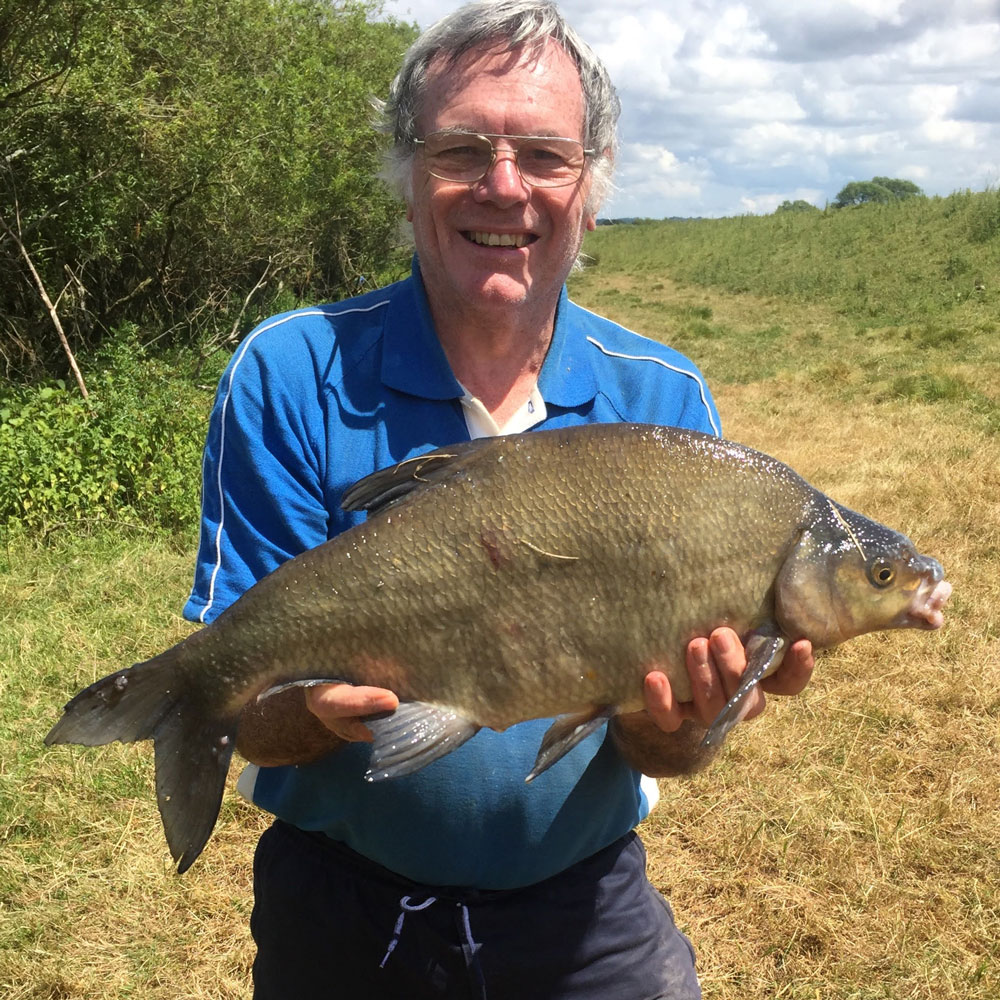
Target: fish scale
529, 576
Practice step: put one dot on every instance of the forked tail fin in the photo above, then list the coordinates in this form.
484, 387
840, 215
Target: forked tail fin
148, 701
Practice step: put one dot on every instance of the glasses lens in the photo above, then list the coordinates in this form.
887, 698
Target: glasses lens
457, 156
542, 160
547, 162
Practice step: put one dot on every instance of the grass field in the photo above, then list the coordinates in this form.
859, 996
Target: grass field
844, 846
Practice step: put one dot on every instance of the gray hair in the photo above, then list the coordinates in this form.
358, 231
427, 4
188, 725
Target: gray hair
507, 24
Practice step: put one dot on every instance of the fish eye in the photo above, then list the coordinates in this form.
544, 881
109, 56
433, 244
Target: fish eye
882, 574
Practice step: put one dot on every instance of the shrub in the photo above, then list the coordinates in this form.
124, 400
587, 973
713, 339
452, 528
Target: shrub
132, 453
799, 205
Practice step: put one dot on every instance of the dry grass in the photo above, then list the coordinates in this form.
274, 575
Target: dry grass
845, 845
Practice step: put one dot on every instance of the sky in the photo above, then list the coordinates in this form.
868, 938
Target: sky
731, 108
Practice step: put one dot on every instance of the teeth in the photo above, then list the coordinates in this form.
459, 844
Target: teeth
499, 239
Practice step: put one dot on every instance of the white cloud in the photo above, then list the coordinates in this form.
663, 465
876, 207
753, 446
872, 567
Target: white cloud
763, 105
649, 173
640, 52
955, 135
732, 106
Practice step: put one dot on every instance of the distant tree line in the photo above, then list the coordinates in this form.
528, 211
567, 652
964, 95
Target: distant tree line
879, 190
173, 164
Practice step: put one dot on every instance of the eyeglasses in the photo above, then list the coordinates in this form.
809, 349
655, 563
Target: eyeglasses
541, 160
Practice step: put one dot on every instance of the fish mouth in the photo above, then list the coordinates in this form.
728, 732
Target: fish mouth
487, 238
926, 609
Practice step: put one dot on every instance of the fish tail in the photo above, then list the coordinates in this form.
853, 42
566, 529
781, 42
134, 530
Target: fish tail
192, 747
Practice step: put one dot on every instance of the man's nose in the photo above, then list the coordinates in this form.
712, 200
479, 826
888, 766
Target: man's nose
503, 181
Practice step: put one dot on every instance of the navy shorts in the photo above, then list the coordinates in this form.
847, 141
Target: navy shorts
332, 925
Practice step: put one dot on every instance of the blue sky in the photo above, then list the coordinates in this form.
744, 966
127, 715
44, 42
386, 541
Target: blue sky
730, 108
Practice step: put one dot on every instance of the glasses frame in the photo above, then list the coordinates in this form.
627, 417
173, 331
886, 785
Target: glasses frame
489, 137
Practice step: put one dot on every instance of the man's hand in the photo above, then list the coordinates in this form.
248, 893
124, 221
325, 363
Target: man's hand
300, 725
715, 666
665, 739
339, 707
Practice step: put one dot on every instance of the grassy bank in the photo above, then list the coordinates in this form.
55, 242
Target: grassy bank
914, 261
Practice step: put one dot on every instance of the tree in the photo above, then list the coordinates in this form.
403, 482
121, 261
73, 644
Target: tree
899, 188
878, 189
172, 164
799, 205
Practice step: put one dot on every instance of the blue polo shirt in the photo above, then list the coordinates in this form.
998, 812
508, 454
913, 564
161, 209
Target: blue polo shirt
314, 400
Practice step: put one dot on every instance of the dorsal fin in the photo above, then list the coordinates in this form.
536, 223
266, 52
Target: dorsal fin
392, 484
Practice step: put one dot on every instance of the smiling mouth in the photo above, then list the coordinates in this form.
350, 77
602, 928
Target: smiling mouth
516, 240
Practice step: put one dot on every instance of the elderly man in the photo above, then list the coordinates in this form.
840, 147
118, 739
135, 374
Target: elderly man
459, 880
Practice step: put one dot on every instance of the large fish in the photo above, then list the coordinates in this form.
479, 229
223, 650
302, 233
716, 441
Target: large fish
520, 577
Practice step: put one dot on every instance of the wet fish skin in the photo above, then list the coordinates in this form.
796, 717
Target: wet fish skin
528, 576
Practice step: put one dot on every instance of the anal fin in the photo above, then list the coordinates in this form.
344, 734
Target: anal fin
413, 736
565, 733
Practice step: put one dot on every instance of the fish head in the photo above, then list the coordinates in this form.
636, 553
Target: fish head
848, 575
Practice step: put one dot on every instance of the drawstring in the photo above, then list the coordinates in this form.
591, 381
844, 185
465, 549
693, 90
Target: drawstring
404, 908
470, 947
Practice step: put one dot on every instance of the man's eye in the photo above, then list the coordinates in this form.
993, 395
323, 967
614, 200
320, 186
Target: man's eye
543, 156
459, 153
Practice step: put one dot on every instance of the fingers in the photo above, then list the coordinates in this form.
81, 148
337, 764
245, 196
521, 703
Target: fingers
663, 708
338, 707
715, 667
708, 691
795, 671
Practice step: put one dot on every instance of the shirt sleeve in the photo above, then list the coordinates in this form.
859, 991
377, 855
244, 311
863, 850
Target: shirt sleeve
699, 412
262, 477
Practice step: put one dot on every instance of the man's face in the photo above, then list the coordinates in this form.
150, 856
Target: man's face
499, 93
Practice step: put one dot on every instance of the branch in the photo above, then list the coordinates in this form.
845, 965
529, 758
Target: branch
216, 344
15, 236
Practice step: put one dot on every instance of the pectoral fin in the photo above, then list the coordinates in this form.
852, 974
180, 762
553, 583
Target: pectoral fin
413, 736
565, 733
764, 654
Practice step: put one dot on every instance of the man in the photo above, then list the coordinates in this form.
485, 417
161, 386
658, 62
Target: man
459, 880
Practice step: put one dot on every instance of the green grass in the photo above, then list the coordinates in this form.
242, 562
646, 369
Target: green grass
862, 303
89, 906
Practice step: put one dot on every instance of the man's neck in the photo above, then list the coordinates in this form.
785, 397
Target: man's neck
497, 360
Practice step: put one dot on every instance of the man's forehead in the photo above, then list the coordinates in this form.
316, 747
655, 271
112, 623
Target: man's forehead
545, 66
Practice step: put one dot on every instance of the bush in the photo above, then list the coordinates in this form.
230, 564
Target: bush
879, 189
131, 454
